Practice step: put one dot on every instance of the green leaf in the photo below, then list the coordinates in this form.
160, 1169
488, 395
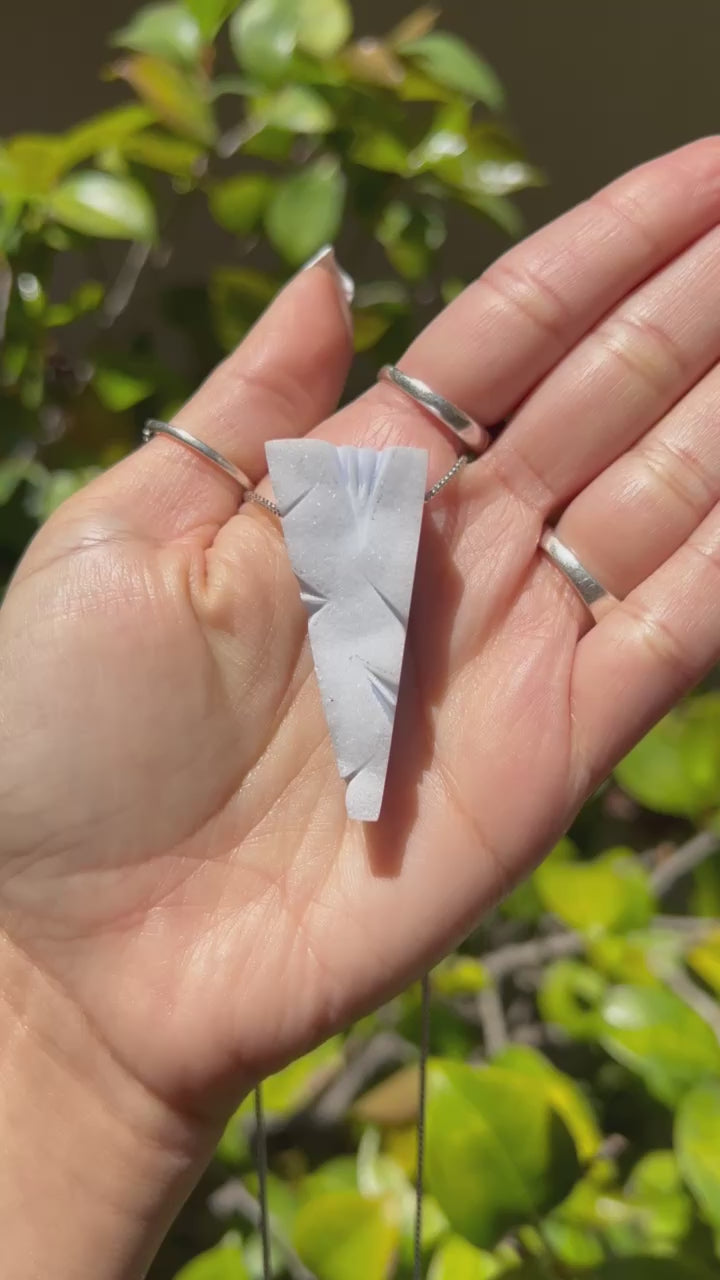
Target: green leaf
223, 1263
238, 203
563, 1094
459, 976
676, 768
498, 210
210, 15
410, 238
569, 997
456, 1259
697, 1143
179, 98
295, 108
611, 892
647, 1269
656, 1190
100, 204
121, 384
325, 26
489, 1119
382, 151
177, 156
264, 36
342, 1236
289, 1090
655, 1034
164, 30
238, 296
52, 488
30, 164
705, 960
452, 63
306, 211
112, 129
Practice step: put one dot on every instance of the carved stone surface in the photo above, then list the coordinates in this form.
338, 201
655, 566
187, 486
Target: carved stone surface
351, 520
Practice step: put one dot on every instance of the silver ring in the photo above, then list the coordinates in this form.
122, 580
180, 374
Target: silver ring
154, 427
474, 437
593, 594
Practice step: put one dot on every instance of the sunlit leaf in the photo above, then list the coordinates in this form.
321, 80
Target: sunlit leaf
705, 960
30, 164
264, 36
325, 26
561, 1091
210, 15
121, 384
296, 108
100, 204
164, 30
104, 132
654, 1033
459, 976
569, 997
223, 1263
488, 1118
86, 298
457, 1259
697, 1143
676, 768
238, 203
343, 1236
381, 150
177, 156
306, 211
611, 892
449, 60
180, 98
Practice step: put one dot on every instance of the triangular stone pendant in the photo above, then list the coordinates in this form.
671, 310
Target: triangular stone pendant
351, 520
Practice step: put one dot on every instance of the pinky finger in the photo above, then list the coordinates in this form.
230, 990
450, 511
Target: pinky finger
647, 652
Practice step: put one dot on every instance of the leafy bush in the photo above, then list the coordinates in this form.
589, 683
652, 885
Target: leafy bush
574, 1089
265, 120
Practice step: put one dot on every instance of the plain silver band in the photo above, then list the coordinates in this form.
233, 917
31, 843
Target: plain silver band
474, 437
591, 592
154, 427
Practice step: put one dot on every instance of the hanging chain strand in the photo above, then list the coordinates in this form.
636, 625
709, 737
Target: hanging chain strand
261, 1157
422, 1107
251, 496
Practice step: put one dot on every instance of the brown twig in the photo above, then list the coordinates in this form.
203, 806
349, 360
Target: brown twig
386, 1049
685, 859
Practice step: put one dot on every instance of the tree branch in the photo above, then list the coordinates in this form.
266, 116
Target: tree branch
684, 860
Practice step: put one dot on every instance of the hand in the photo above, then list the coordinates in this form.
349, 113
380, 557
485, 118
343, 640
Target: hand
175, 858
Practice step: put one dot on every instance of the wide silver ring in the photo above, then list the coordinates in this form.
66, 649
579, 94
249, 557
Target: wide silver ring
474, 437
593, 594
154, 427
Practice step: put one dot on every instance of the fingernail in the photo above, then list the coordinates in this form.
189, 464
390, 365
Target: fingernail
343, 282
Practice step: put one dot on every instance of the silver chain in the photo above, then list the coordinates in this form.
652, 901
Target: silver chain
251, 495
261, 1158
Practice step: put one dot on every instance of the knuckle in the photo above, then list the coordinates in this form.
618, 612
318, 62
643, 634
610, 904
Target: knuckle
676, 471
525, 289
646, 351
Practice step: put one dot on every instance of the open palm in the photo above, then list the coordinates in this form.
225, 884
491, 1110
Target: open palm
174, 852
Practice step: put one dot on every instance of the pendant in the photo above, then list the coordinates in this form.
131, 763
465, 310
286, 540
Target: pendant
351, 520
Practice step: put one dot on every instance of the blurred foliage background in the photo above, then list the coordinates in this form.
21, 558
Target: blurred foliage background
574, 1091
